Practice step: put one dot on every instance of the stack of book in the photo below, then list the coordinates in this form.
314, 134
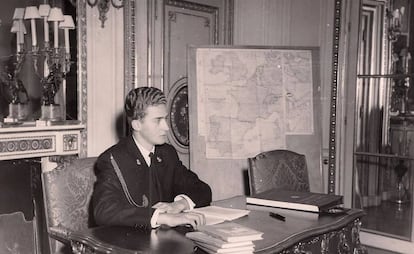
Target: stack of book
226, 237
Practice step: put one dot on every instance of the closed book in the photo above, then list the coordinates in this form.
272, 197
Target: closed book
213, 249
231, 232
304, 201
287, 213
200, 237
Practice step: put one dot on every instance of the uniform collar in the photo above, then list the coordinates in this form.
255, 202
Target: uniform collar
145, 153
142, 149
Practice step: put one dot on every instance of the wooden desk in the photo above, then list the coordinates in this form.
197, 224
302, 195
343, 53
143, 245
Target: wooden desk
327, 234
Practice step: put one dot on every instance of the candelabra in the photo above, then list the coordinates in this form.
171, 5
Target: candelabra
400, 70
395, 23
400, 60
51, 64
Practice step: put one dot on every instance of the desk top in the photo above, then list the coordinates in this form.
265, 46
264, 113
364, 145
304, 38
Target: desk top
278, 235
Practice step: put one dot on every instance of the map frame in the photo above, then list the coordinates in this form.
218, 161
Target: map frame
308, 144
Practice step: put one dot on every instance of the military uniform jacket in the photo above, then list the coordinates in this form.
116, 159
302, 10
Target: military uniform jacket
130, 205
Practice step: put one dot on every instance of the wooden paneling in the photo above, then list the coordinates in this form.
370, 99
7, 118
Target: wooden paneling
279, 22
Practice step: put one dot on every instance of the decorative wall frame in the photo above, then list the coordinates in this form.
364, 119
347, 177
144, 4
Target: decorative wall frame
173, 48
82, 74
130, 79
334, 94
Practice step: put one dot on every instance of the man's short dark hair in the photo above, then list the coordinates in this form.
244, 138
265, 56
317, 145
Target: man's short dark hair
138, 100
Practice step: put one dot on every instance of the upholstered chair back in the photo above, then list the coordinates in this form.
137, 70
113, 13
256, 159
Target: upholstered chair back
67, 192
280, 169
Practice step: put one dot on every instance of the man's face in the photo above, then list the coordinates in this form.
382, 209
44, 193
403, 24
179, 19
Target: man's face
152, 129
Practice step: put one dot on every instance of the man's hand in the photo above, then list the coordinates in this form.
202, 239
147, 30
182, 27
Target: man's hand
173, 207
176, 219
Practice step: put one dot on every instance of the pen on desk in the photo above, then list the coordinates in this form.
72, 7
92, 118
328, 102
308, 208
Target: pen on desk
277, 216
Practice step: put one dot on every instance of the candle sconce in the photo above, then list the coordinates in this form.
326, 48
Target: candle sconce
103, 7
50, 64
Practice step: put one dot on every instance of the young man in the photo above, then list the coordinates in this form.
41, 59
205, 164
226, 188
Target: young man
141, 171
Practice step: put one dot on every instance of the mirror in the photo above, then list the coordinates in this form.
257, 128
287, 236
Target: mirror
384, 126
39, 70
143, 70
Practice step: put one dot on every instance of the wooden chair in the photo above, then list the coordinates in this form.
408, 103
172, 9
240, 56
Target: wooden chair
282, 169
67, 191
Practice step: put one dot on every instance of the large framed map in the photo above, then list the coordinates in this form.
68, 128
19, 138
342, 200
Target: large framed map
246, 100
249, 99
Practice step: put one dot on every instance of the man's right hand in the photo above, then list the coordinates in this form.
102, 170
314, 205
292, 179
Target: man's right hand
177, 219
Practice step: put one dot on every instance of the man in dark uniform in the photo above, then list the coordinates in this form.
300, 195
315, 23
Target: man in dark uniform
140, 181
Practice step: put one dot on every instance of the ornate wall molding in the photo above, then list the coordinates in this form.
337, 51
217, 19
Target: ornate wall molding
130, 78
82, 74
30, 145
201, 8
40, 143
334, 94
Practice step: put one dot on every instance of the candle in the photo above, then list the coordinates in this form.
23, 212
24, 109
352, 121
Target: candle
67, 47
44, 10
46, 29
18, 49
21, 32
67, 24
33, 27
56, 34
56, 16
16, 29
32, 13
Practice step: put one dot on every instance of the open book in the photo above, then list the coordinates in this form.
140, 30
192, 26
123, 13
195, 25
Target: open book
217, 214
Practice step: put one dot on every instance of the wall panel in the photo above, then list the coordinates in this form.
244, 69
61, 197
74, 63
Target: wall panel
105, 80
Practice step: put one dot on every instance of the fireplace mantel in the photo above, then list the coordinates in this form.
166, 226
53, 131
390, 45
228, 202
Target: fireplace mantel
28, 141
